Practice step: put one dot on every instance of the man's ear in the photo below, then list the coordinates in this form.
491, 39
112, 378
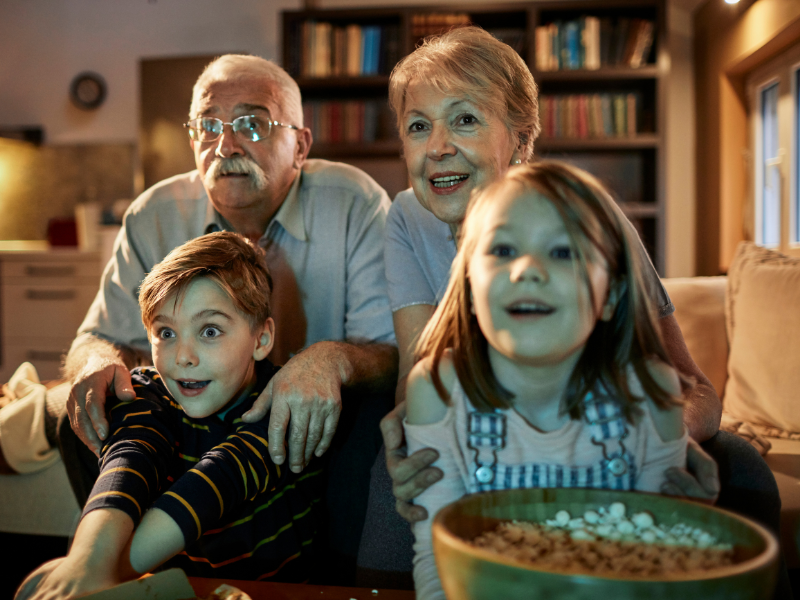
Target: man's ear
616, 290
265, 340
303, 147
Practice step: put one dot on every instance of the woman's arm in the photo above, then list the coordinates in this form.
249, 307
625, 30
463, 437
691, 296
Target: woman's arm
408, 324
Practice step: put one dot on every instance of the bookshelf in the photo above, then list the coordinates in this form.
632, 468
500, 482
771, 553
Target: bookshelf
599, 110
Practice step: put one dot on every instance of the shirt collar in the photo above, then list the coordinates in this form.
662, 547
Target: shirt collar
289, 215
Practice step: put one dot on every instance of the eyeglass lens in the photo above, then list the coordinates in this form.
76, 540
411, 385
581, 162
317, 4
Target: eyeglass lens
250, 127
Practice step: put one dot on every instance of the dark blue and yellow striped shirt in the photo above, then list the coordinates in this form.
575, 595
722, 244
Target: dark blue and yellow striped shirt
242, 516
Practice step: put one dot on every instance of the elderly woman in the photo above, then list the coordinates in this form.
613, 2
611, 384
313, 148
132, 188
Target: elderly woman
467, 109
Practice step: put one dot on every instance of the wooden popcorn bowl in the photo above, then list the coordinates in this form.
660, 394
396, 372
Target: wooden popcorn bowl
470, 573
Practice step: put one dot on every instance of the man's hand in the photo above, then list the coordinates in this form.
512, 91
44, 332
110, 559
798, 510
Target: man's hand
305, 393
100, 376
700, 479
410, 475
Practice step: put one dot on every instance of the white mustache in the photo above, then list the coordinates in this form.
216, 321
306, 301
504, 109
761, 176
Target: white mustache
236, 165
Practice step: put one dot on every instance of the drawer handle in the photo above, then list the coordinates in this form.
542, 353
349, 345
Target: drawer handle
44, 355
45, 271
50, 294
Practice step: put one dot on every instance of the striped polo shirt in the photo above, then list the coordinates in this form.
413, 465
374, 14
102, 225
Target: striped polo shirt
242, 516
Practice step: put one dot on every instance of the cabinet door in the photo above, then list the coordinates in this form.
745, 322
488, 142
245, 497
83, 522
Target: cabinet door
45, 354
39, 310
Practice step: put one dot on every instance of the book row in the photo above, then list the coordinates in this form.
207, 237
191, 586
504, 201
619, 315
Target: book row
425, 24
589, 115
321, 49
592, 43
349, 121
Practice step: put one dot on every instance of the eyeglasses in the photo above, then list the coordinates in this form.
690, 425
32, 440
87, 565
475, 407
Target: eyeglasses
250, 127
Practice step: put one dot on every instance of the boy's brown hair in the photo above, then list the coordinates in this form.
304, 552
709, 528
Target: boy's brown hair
227, 259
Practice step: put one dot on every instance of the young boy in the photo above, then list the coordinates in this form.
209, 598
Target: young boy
217, 506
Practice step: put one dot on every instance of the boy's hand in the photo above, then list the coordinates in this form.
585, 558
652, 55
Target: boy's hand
87, 398
62, 578
410, 475
700, 479
305, 393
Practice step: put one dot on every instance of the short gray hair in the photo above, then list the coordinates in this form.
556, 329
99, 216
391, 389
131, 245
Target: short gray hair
233, 67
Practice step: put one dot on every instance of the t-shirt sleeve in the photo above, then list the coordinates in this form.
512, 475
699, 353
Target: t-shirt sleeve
441, 437
407, 282
134, 461
237, 470
659, 456
367, 314
114, 314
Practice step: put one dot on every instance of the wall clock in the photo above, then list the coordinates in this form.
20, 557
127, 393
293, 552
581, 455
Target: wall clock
88, 90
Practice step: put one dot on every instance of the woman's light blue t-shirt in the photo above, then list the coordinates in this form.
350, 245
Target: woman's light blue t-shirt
420, 249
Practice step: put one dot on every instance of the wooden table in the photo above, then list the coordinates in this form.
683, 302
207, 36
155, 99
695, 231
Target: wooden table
260, 590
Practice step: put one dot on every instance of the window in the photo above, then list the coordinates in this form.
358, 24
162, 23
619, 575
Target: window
774, 94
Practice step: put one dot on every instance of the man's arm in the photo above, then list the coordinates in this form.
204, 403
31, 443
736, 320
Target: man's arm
96, 368
307, 393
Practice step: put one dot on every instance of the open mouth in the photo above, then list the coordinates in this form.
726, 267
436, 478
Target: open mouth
448, 181
193, 385
530, 308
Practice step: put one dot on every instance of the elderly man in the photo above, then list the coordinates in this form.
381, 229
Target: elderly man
321, 225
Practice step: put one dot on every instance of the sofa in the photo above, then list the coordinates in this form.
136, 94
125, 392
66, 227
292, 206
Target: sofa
704, 311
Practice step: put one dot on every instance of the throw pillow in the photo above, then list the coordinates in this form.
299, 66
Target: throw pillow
762, 315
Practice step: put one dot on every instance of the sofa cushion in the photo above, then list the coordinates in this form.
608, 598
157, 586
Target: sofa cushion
762, 314
700, 312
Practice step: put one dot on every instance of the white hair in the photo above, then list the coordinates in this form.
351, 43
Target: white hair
236, 67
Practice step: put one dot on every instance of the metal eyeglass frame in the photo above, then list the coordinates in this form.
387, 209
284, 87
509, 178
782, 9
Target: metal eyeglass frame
195, 136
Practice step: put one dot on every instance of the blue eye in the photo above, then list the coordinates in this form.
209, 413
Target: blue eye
564, 252
165, 333
211, 332
503, 251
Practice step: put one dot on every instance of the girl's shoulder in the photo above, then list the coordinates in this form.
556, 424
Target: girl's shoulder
668, 421
423, 403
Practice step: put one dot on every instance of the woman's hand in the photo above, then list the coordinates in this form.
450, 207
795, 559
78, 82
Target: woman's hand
411, 475
699, 480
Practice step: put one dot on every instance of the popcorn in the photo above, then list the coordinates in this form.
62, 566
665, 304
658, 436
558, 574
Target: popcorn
605, 541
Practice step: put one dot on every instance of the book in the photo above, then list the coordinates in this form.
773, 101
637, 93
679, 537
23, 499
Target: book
644, 41
571, 51
543, 47
620, 40
620, 113
630, 104
321, 60
591, 42
353, 34
606, 41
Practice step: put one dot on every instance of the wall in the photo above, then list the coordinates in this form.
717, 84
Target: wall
51, 42
729, 42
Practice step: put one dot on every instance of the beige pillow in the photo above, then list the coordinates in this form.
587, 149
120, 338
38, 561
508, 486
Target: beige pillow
762, 314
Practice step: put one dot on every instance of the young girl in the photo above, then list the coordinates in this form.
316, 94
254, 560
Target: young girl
542, 366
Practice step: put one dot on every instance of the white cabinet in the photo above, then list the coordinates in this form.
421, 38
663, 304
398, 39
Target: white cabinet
43, 299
